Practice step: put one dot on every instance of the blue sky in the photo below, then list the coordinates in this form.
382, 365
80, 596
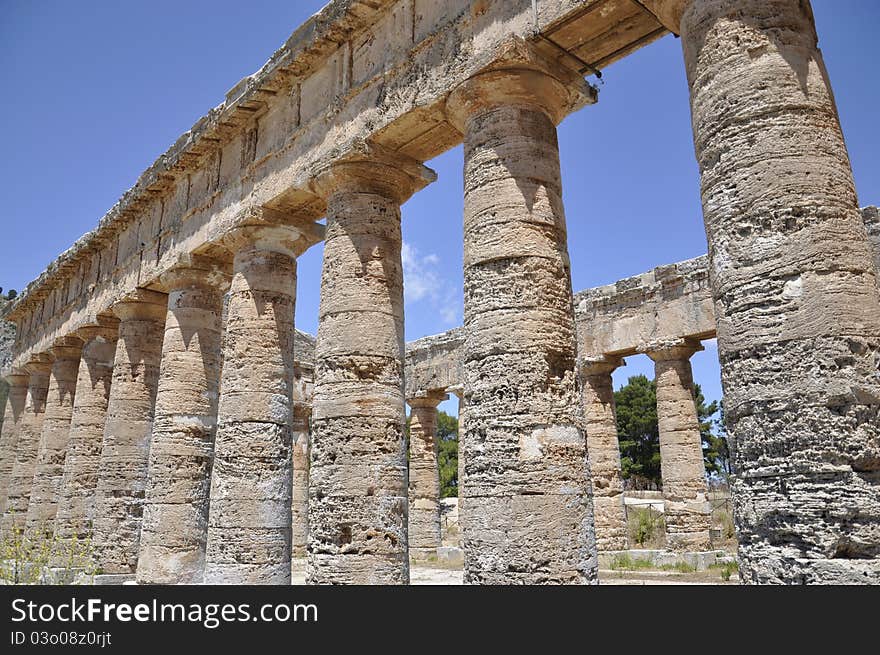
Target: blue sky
97, 89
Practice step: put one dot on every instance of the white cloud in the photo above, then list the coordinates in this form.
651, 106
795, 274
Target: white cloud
422, 281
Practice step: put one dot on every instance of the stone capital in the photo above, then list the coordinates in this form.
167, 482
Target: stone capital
290, 240
142, 304
673, 349
67, 347
17, 378
365, 167
599, 365
427, 399
521, 76
39, 363
104, 327
196, 271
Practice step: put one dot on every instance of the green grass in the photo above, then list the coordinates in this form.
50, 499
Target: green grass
726, 569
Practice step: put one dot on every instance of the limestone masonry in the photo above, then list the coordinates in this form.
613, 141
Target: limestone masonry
162, 404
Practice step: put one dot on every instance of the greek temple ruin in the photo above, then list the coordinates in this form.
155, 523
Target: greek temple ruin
163, 404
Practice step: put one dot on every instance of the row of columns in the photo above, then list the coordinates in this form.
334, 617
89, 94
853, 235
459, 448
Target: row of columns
682, 469
123, 433
784, 233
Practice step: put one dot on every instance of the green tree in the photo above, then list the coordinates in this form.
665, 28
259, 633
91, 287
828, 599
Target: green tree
636, 406
639, 434
447, 455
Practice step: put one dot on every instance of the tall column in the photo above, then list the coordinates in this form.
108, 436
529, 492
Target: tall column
15, 402
424, 476
30, 426
798, 314
79, 481
526, 488
49, 467
302, 415
249, 524
125, 447
682, 470
358, 476
603, 451
175, 521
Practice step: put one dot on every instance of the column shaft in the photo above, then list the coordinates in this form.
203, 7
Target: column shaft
249, 527
682, 469
526, 487
603, 451
798, 314
175, 520
358, 474
30, 425
79, 482
125, 447
53, 438
424, 477
14, 410
302, 411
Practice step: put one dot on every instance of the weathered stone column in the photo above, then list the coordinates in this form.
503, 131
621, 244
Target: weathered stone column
682, 470
302, 414
358, 475
79, 482
249, 524
424, 477
603, 451
125, 448
53, 438
798, 314
175, 522
526, 488
14, 410
30, 426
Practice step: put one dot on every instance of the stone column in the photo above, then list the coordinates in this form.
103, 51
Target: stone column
603, 451
249, 525
15, 403
126, 444
682, 470
79, 481
175, 521
358, 485
424, 476
302, 415
18, 386
526, 488
53, 438
798, 314
30, 426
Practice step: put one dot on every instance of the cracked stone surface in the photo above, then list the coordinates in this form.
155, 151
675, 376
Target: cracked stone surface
125, 447
797, 308
303, 389
79, 482
49, 467
175, 517
525, 489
